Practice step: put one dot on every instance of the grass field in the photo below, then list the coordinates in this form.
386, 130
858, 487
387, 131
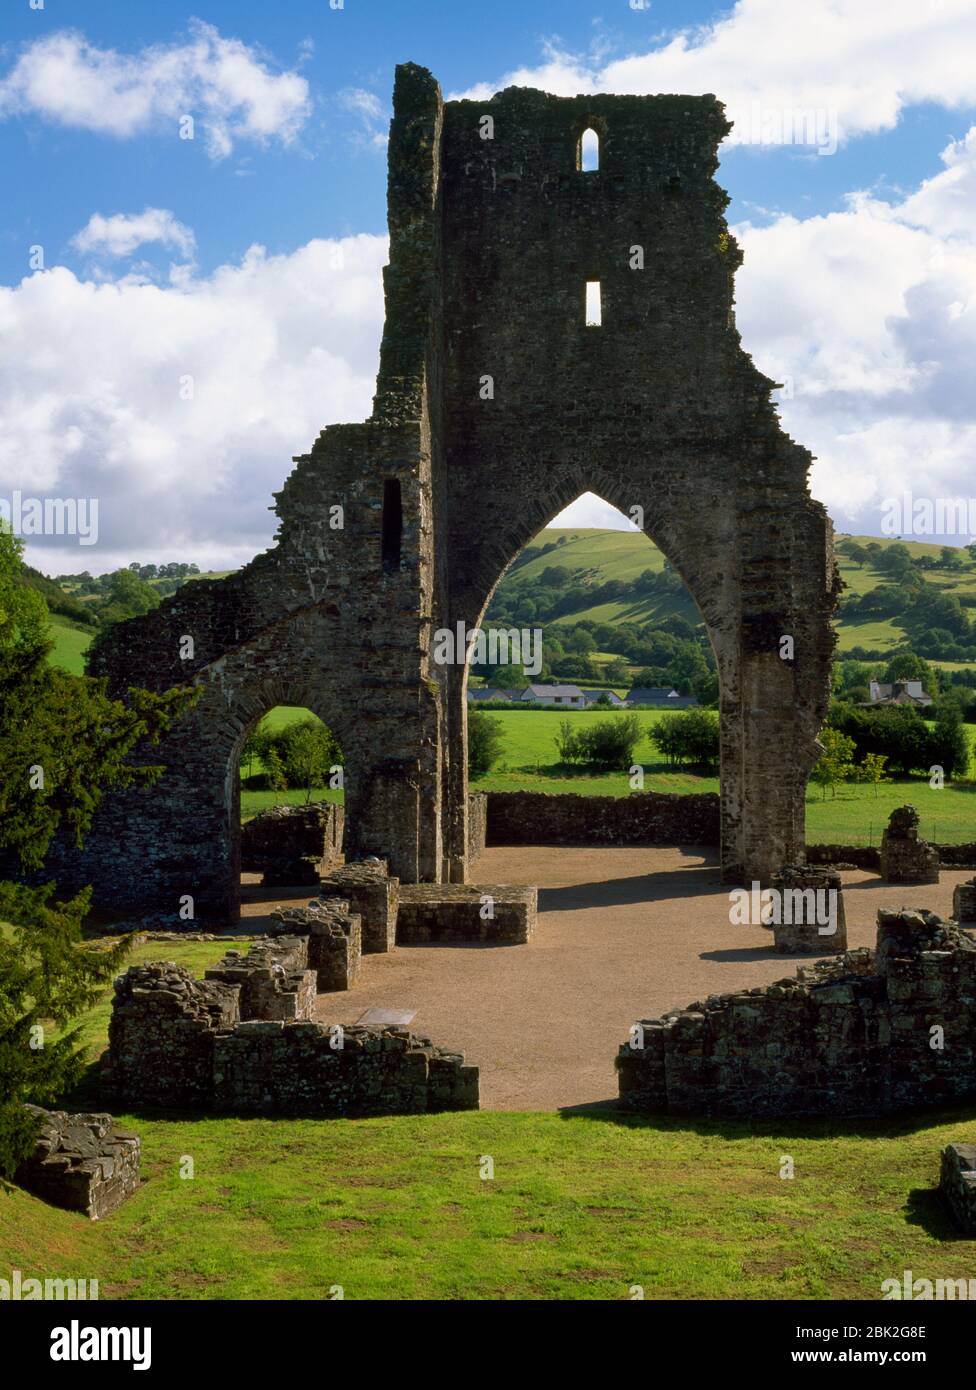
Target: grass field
580, 1206
855, 815
70, 644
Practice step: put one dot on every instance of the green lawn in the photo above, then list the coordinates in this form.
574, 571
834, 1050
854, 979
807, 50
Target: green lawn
580, 1206
856, 815
254, 801
70, 644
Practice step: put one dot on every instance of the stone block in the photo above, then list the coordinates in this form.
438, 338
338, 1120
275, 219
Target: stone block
810, 916
957, 1183
81, 1162
497, 914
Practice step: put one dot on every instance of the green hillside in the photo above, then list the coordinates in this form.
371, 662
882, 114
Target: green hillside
71, 641
596, 557
584, 559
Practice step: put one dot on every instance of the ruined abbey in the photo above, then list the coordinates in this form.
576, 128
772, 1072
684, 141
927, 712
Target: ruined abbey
498, 404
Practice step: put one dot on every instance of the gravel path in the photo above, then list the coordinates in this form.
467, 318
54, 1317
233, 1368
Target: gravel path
622, 934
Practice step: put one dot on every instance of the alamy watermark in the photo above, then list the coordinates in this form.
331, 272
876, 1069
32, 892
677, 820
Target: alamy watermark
908, 515
21, 1289
928, 1290
50, 516
499, 646
759, 124
768, 907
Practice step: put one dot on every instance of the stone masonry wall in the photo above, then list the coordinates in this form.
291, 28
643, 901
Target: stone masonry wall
179, 1043
642, 818
81, 1162
161, 1034
852, 1036
455, 912
285, 833
367, 888
276, 1068
334, 941
274, 978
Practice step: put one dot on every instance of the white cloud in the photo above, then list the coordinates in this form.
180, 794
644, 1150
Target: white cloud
871, 312
122, 233
371, 112
90, 395
865, 62
226, 85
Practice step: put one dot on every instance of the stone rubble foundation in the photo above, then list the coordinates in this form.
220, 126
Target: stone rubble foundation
499, 914
957, 1183
180, 1043
81, 1162
871, 1032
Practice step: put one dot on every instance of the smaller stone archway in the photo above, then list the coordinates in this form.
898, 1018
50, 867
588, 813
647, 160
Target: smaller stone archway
236, 791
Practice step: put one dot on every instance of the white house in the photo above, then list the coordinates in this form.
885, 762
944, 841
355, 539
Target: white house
565, 696
899, 693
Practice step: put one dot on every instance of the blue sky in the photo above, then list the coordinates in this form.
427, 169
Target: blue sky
859, 283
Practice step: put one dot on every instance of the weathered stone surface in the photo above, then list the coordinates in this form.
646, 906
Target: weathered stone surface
477, 823
904, 857
812, 902
368, 890
444, 912
274, 979
161, 1035
81, 1162
848, 1036
964, 901
642, 818
492, 243
289, 839
957, 1183
179, 1043
334, 947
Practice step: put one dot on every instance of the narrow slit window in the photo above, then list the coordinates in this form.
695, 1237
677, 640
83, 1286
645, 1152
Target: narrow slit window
392, 525
594, 310
589, 151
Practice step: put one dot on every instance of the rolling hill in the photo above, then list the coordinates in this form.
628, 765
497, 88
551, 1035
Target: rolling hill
594, 557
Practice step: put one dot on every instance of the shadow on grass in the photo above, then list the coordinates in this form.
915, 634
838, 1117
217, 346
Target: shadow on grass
925, 1207
609, 1111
